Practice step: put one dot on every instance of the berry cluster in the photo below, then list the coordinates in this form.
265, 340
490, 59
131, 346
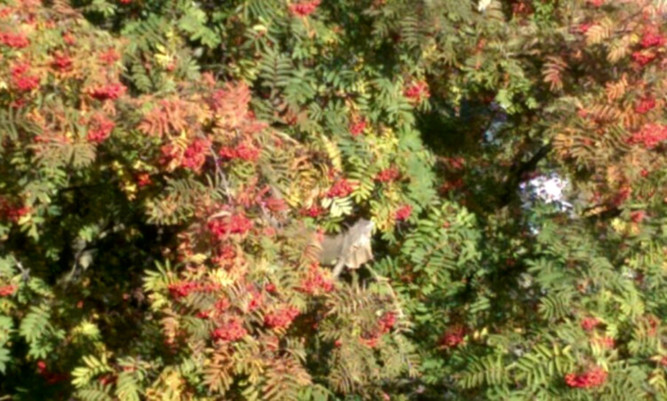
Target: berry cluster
281, 318
242, 151
340, 189
403, 213
605, 342
11, 211
192, 158
231, 330
357, 127
15, 213
316, 281
100, 128
652, 38
143, 179
313, 211
372, 338
304, 9
637, 216
590, 379
650, 135
61, 62
21, 78
184, 288
417, 92
452, 337
589, 323
225, 256
645, 105
388, 175
642, 57
270, 287
195, 154
583, 28
7, 290
107, 92
109, 57
235, 224
387, 322
256, 298
14, 40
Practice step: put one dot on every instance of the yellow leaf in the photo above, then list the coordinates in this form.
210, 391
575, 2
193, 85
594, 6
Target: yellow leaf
221, 277
198, 258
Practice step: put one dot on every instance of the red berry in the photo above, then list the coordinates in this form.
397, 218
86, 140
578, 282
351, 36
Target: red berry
108, 91
357, 126
589, 379
417, 92
14, 40
645, 105
304, 9
340, 189
589, 323
232, 330
281, 318
403, 213
100, 128
7, 290
388, 175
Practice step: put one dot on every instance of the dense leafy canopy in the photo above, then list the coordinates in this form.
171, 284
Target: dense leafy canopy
168, 171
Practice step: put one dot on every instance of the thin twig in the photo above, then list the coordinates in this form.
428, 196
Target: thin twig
221, 175
394, 297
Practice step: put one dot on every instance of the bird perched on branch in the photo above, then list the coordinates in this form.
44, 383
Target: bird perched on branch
350, 249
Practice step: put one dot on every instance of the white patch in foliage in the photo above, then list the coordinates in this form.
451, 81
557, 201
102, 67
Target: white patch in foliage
483, 4
548, 189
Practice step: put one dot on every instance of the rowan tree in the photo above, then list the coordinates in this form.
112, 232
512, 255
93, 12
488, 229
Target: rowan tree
169, 170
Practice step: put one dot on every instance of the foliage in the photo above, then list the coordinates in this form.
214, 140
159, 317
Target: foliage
168, 170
